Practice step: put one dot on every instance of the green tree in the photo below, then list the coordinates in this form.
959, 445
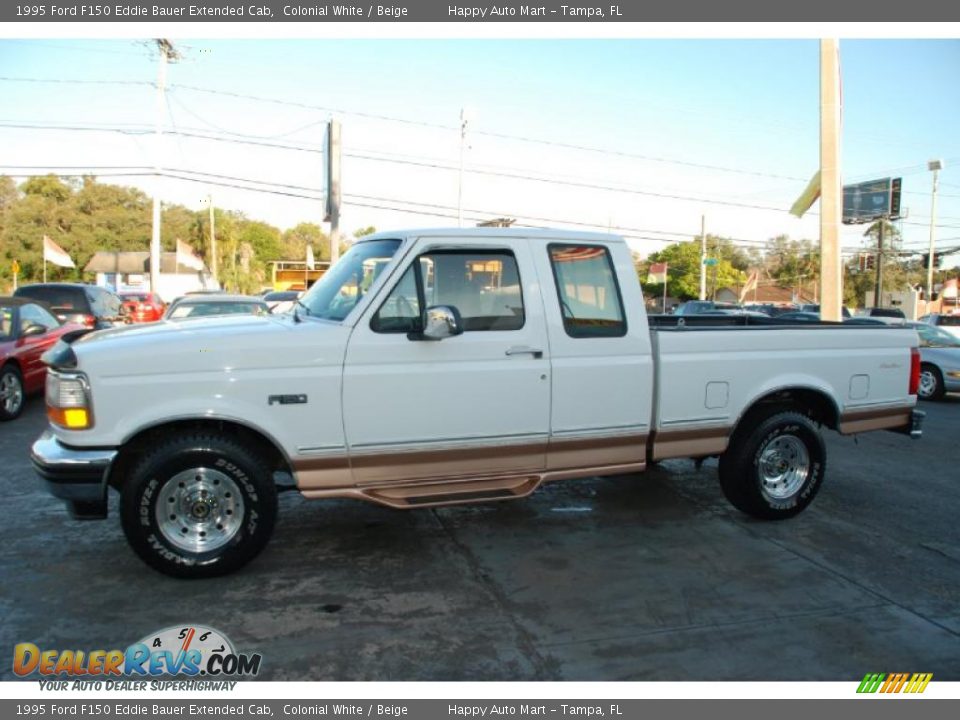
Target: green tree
42, 209
792, 263
295, 240
683, 268
180, 223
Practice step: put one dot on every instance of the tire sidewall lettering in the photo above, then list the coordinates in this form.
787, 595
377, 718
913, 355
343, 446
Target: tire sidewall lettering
149, 491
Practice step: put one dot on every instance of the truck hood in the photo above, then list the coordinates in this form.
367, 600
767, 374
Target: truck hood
214, 344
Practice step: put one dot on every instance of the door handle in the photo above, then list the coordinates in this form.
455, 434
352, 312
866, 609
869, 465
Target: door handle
524, 350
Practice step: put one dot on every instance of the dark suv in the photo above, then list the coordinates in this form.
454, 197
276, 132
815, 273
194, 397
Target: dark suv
88, 305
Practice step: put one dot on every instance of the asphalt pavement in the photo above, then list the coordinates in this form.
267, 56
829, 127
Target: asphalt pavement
643, 577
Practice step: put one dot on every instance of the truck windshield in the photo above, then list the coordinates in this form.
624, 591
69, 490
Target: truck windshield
340, 289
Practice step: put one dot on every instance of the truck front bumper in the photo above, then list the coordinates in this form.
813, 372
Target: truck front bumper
77, 476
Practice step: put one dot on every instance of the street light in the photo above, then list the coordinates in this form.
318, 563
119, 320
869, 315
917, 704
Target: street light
935, 166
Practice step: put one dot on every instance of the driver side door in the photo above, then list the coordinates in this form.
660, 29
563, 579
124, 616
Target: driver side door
476, 404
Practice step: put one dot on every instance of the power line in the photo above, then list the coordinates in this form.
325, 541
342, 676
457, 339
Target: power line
376, 202
142, 130
571, 183
69, 81
421, 123
501, 136
79, 48
316, 193
249, 140
308, 106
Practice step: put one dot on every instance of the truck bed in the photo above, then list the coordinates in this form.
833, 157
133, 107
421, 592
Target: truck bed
710, 368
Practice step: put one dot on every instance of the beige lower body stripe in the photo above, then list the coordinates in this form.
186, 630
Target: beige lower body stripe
699, 442
419, 478
857, 421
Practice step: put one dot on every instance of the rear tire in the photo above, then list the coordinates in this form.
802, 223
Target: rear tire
773, 469
11, 392
931, 383
198, 505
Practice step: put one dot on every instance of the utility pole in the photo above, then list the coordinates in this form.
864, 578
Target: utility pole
333, 188
213, 240
936, 166
831, 190
167, 53
464, 120
703, 257
878, 286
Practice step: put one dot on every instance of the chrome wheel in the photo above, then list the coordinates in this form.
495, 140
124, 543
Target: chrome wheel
11, 393
199, 510
928, 384
784, 467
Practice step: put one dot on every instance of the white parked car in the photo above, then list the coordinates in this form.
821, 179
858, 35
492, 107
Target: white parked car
450, 366
947, 323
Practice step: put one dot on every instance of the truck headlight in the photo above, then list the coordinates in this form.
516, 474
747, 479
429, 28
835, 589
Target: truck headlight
68, 401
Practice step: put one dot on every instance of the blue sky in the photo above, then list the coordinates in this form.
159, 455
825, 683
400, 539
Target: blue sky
691, 126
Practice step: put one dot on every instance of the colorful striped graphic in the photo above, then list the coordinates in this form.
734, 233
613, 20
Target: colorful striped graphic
894, 683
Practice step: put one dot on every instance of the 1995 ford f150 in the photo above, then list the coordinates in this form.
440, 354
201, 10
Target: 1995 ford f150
449, 366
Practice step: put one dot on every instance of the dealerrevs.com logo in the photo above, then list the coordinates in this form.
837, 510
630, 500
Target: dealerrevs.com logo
890, 683
182, 650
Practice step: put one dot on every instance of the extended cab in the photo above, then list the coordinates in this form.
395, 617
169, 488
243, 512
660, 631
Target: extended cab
450, 366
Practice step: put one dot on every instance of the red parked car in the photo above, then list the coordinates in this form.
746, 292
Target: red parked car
27, 330
142, 307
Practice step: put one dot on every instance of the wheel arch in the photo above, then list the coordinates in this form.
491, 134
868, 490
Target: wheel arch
135, 444
12, 360
814, 402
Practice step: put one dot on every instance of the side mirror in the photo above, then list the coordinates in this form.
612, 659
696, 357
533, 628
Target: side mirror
439, 322
33, 330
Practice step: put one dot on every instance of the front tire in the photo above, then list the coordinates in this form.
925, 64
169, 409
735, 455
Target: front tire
773, 469
198, 506
11, 392
931, 383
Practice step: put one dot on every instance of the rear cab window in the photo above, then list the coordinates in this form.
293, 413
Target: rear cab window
65, 299
587, 289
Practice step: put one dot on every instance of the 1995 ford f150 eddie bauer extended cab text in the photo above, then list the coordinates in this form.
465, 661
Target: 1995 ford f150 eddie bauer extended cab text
449, 366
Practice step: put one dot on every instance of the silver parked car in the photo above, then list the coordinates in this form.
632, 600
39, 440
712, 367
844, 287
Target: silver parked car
207, 305
939, 362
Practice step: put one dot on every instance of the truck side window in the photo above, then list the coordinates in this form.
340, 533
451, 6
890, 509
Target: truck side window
483, 285
587, 289
400, 312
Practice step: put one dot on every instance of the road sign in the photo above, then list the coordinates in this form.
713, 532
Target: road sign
869, 201
710, 261
16, 268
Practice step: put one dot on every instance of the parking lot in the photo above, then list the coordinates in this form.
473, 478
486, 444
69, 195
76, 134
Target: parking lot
649, 577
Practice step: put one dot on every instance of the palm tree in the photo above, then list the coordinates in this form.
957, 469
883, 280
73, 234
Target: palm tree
891, 233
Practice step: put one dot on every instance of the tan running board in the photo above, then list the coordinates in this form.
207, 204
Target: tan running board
452, 493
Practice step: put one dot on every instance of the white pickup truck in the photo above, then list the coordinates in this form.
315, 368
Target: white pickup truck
449, 366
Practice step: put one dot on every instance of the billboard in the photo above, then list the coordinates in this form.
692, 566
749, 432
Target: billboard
868, 201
